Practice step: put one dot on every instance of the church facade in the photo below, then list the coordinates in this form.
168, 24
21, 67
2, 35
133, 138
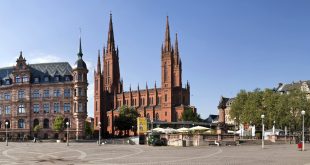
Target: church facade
164, 103
35, 94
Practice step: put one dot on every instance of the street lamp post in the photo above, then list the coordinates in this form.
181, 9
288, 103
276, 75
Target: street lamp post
303, 129
6, 133
274, 127
67, 123
235, 129
151, 125
99, 123
263, 130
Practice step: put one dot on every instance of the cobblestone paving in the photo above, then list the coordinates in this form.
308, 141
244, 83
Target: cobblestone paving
90, 153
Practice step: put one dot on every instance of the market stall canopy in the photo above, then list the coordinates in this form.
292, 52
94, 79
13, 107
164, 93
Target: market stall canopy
159, 130
183, 129
199, 128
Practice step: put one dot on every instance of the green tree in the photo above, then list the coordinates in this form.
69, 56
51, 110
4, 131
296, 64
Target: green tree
127, 119
88, 129
238, 106
189, 115
58, 124
284, 109
37, 128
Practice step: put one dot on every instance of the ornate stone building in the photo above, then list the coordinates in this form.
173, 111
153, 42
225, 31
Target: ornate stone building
165, 103
34, 94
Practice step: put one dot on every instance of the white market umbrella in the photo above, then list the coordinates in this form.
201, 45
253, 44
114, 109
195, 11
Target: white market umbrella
169, 130
199, 128
159, 129
183, 129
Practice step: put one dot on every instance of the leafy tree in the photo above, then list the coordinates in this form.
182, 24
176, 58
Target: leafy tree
189, 115
58, 124
285, 109
127, 119
88, 129
37, 129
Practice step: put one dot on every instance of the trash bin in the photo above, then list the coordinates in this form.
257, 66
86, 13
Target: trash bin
299, 145
183, 143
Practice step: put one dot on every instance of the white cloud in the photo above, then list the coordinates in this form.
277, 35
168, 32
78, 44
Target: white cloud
43, 58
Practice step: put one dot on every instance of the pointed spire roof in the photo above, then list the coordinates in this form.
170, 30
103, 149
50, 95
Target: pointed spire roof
146, 85
167, 45
20, 55
176, 45
80, 54
80, 62
99, 63
111, 43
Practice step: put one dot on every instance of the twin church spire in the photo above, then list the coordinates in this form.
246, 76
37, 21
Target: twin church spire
110, 71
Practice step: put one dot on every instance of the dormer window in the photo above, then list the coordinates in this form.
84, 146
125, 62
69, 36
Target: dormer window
46, 79
56, 78
7, 82
17, 79
25, 79
67, 78
36, 80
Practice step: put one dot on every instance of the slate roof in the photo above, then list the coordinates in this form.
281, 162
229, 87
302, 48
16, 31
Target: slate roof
212, 118
5, 72
292, 86
41, 70
224, 102
51, 69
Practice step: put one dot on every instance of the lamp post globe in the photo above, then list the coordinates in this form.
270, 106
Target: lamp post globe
67, 123
263, 130
303, 129
6, 133
99, 125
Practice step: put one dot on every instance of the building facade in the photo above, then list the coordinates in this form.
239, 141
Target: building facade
35, 94
165, 103
224, 108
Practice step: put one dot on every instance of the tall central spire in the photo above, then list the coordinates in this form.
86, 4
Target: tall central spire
80, 54
111, 44
167, 46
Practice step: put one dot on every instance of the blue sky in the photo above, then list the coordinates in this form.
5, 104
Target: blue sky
225, 45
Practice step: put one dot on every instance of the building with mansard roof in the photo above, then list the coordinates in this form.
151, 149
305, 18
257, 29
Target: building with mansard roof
35, 94
224, 108
164, 103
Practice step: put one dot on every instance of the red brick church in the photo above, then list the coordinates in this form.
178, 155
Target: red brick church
165, 103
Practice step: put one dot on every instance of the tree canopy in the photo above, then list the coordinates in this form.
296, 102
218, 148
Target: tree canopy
58, 124
189, 115
283, 108
127, 118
